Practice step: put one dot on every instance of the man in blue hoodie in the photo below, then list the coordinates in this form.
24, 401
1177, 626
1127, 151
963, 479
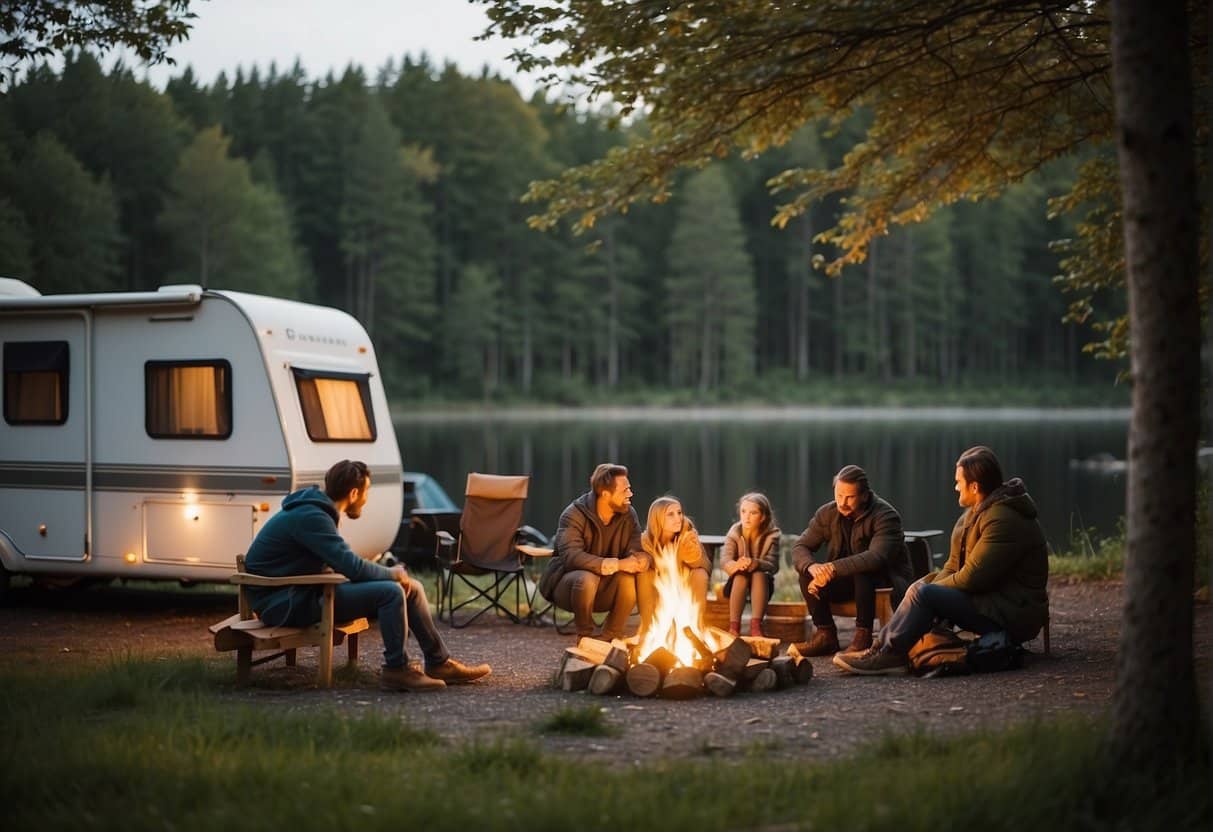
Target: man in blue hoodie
302, 539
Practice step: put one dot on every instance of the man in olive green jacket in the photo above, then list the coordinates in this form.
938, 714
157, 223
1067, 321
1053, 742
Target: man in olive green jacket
994, 579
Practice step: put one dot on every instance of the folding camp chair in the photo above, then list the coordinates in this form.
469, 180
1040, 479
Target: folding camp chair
486, 545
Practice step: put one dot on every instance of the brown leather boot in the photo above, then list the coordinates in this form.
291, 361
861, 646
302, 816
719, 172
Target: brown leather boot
823, 643
861, 641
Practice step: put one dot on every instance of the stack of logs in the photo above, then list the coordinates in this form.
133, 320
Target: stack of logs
746, 663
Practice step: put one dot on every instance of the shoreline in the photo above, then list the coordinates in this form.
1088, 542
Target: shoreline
751, 413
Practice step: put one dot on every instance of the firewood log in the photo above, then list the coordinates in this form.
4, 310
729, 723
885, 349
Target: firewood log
753, 667
595, 647
784, 672
764, 681
719, 685
732, 660
576, 674
682, 683
604, 680
584, 655
802, 669
662, 659
643, 679
764, 648
617, 658
703, 650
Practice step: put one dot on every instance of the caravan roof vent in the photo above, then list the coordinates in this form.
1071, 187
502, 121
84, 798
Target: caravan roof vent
181, 288
11, 287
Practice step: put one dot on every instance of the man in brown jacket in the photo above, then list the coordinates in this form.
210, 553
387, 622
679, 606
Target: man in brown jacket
866, 548
598, 554
994, 579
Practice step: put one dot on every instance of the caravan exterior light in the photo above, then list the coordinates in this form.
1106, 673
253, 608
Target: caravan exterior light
129, 557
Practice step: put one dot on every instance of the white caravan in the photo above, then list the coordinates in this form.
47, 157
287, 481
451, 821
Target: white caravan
150, 434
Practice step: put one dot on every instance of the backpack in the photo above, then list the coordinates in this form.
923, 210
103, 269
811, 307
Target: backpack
994, 652
940, 652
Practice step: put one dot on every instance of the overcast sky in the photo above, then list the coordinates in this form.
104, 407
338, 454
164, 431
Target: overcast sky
331, 34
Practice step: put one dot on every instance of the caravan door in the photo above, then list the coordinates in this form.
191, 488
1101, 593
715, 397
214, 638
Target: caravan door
45, 475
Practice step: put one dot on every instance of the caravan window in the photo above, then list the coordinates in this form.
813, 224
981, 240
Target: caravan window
35, 382
336, 406
188, 399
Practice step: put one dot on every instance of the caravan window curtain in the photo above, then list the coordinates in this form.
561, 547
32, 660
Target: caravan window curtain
35, 382
188, 399
336, 406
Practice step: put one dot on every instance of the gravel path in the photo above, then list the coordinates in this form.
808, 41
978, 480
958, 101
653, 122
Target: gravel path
829, 716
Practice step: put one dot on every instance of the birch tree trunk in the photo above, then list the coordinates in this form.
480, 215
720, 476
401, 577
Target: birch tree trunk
1156, 712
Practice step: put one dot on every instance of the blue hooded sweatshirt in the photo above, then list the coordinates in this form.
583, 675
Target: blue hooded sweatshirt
302, 539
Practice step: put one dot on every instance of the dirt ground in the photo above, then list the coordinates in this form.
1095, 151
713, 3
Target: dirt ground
829, 716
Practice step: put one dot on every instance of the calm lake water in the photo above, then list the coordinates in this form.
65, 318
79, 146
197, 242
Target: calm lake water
709, 458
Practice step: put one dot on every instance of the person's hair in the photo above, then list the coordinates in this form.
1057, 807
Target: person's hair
345, 476
982, 467
764, 505
655, 528
603, 478
855, 475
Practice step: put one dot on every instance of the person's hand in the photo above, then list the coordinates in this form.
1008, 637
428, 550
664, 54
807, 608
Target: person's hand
609, 566
399, 574
823, 572
632, 564
745, 564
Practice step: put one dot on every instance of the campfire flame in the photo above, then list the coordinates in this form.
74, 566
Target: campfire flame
677, 608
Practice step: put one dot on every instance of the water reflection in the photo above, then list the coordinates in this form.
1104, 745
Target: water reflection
709, 461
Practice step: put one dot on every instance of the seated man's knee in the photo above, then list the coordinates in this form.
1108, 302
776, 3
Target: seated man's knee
625, 588
579, 587
413, 588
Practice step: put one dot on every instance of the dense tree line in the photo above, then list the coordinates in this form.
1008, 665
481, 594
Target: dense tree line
397, 198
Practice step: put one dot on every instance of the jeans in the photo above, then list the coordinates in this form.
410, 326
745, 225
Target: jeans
925, 604
583, 593
860, 588
397, 606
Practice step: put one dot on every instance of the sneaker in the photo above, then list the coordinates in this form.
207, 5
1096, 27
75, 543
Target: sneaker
861, 641
454, 672
408, 678
875, 661
823, 643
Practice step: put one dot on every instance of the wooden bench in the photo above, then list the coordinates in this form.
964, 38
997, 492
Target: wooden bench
244, 632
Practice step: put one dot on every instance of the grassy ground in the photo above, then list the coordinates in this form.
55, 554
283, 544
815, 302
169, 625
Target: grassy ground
162, 745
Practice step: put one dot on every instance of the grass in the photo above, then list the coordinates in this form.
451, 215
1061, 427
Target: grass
587, 721
163, 745
1090, 557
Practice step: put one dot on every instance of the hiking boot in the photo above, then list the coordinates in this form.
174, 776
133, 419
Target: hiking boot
455, 672
861, 641
823, 643
875, 661
408, 678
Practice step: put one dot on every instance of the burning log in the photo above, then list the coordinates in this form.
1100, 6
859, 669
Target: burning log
719, 685
662, 659
704, 650
604, 680
643, 679
682, 683
576, 673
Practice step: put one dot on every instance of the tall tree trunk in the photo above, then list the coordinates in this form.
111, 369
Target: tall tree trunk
910, 320
612, 265
838, 328
801, 307
871, 358
1156, 707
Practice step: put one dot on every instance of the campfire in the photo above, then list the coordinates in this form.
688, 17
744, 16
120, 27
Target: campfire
677, 656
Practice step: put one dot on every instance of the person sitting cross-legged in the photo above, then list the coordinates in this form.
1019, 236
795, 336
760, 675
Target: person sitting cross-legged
994, 580
302, 539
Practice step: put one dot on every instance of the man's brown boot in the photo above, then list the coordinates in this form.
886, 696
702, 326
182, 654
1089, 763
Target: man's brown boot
823, 643
861, 641
454, 672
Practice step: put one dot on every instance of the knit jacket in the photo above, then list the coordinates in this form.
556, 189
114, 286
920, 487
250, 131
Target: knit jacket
877, 544
302, 539
582, 541
999, 556
765, 553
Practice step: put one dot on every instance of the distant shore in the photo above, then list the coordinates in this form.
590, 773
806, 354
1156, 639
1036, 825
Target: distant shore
750, 413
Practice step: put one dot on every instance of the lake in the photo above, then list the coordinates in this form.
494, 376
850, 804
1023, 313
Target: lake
708, 458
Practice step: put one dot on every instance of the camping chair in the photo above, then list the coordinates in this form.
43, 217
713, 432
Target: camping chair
486, 545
